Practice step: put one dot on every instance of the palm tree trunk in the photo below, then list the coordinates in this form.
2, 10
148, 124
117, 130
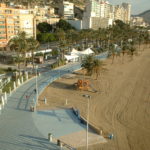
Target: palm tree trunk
32, 59
113, 56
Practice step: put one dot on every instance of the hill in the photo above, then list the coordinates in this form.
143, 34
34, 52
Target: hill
146, 16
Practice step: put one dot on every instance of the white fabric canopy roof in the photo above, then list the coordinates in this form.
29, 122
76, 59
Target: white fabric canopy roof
71, 57
88, 51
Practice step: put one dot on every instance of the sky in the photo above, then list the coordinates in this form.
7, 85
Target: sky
138, 6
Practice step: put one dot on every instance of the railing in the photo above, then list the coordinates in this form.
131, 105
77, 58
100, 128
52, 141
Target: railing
4, 82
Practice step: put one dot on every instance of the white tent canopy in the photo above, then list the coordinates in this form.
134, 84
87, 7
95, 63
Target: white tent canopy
76, 52
88, 51
72, 58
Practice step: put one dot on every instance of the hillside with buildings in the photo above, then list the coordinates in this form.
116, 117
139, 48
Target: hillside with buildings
25, 15
146, 16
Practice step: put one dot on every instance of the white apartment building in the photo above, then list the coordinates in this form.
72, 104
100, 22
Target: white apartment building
127, 8
101, 14
97, 14
66, 10
105, 9
123, 12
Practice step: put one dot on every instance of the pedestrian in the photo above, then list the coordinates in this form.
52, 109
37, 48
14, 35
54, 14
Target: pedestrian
34, 90
26, 97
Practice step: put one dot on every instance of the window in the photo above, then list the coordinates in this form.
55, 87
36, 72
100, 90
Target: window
10, 21
2, 32
16, 21
2, 37
1, 16
2, 26
16, 26
2, 22
10, 31
8, 11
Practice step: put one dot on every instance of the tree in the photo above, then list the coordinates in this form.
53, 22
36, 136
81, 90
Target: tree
87, 63
113, 51
62, 24
96, 67
132, 49
32, 46
23, 44
61, 36
44, 27
124, 47
46, 37
15, 45
92, 65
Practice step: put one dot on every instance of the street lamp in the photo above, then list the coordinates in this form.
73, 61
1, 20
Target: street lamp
87, 126
36, 88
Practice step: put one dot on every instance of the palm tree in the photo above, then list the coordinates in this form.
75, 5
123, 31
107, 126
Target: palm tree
124, 47
112, 51
97, 66
61, 36
146, 38
87, 64
15, 45
132, 49
23, 44
32, 46
92, 65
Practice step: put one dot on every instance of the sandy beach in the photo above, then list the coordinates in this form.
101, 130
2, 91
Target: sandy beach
120, 106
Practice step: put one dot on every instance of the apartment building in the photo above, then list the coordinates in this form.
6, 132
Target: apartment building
66, 9
13, 20
127, 9
97, 14
123, 12
105, 9
45, 14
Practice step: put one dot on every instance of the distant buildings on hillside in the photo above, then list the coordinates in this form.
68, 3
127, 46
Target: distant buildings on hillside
16, 18
97, 14
138, 21
101, 14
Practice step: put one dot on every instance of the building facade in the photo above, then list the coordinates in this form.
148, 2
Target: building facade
101, 14
123, 12
66, 9
138, 21
13, 20
98, 13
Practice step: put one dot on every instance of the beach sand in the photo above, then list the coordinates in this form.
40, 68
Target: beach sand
120, 106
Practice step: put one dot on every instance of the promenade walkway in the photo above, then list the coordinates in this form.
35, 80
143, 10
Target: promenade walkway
18, 128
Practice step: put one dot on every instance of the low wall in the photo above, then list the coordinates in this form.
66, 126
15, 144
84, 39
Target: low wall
84, 121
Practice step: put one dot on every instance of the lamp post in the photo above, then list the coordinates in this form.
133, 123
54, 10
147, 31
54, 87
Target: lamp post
87, 126
36, 88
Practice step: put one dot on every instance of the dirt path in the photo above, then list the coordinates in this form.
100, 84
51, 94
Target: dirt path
121, 106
